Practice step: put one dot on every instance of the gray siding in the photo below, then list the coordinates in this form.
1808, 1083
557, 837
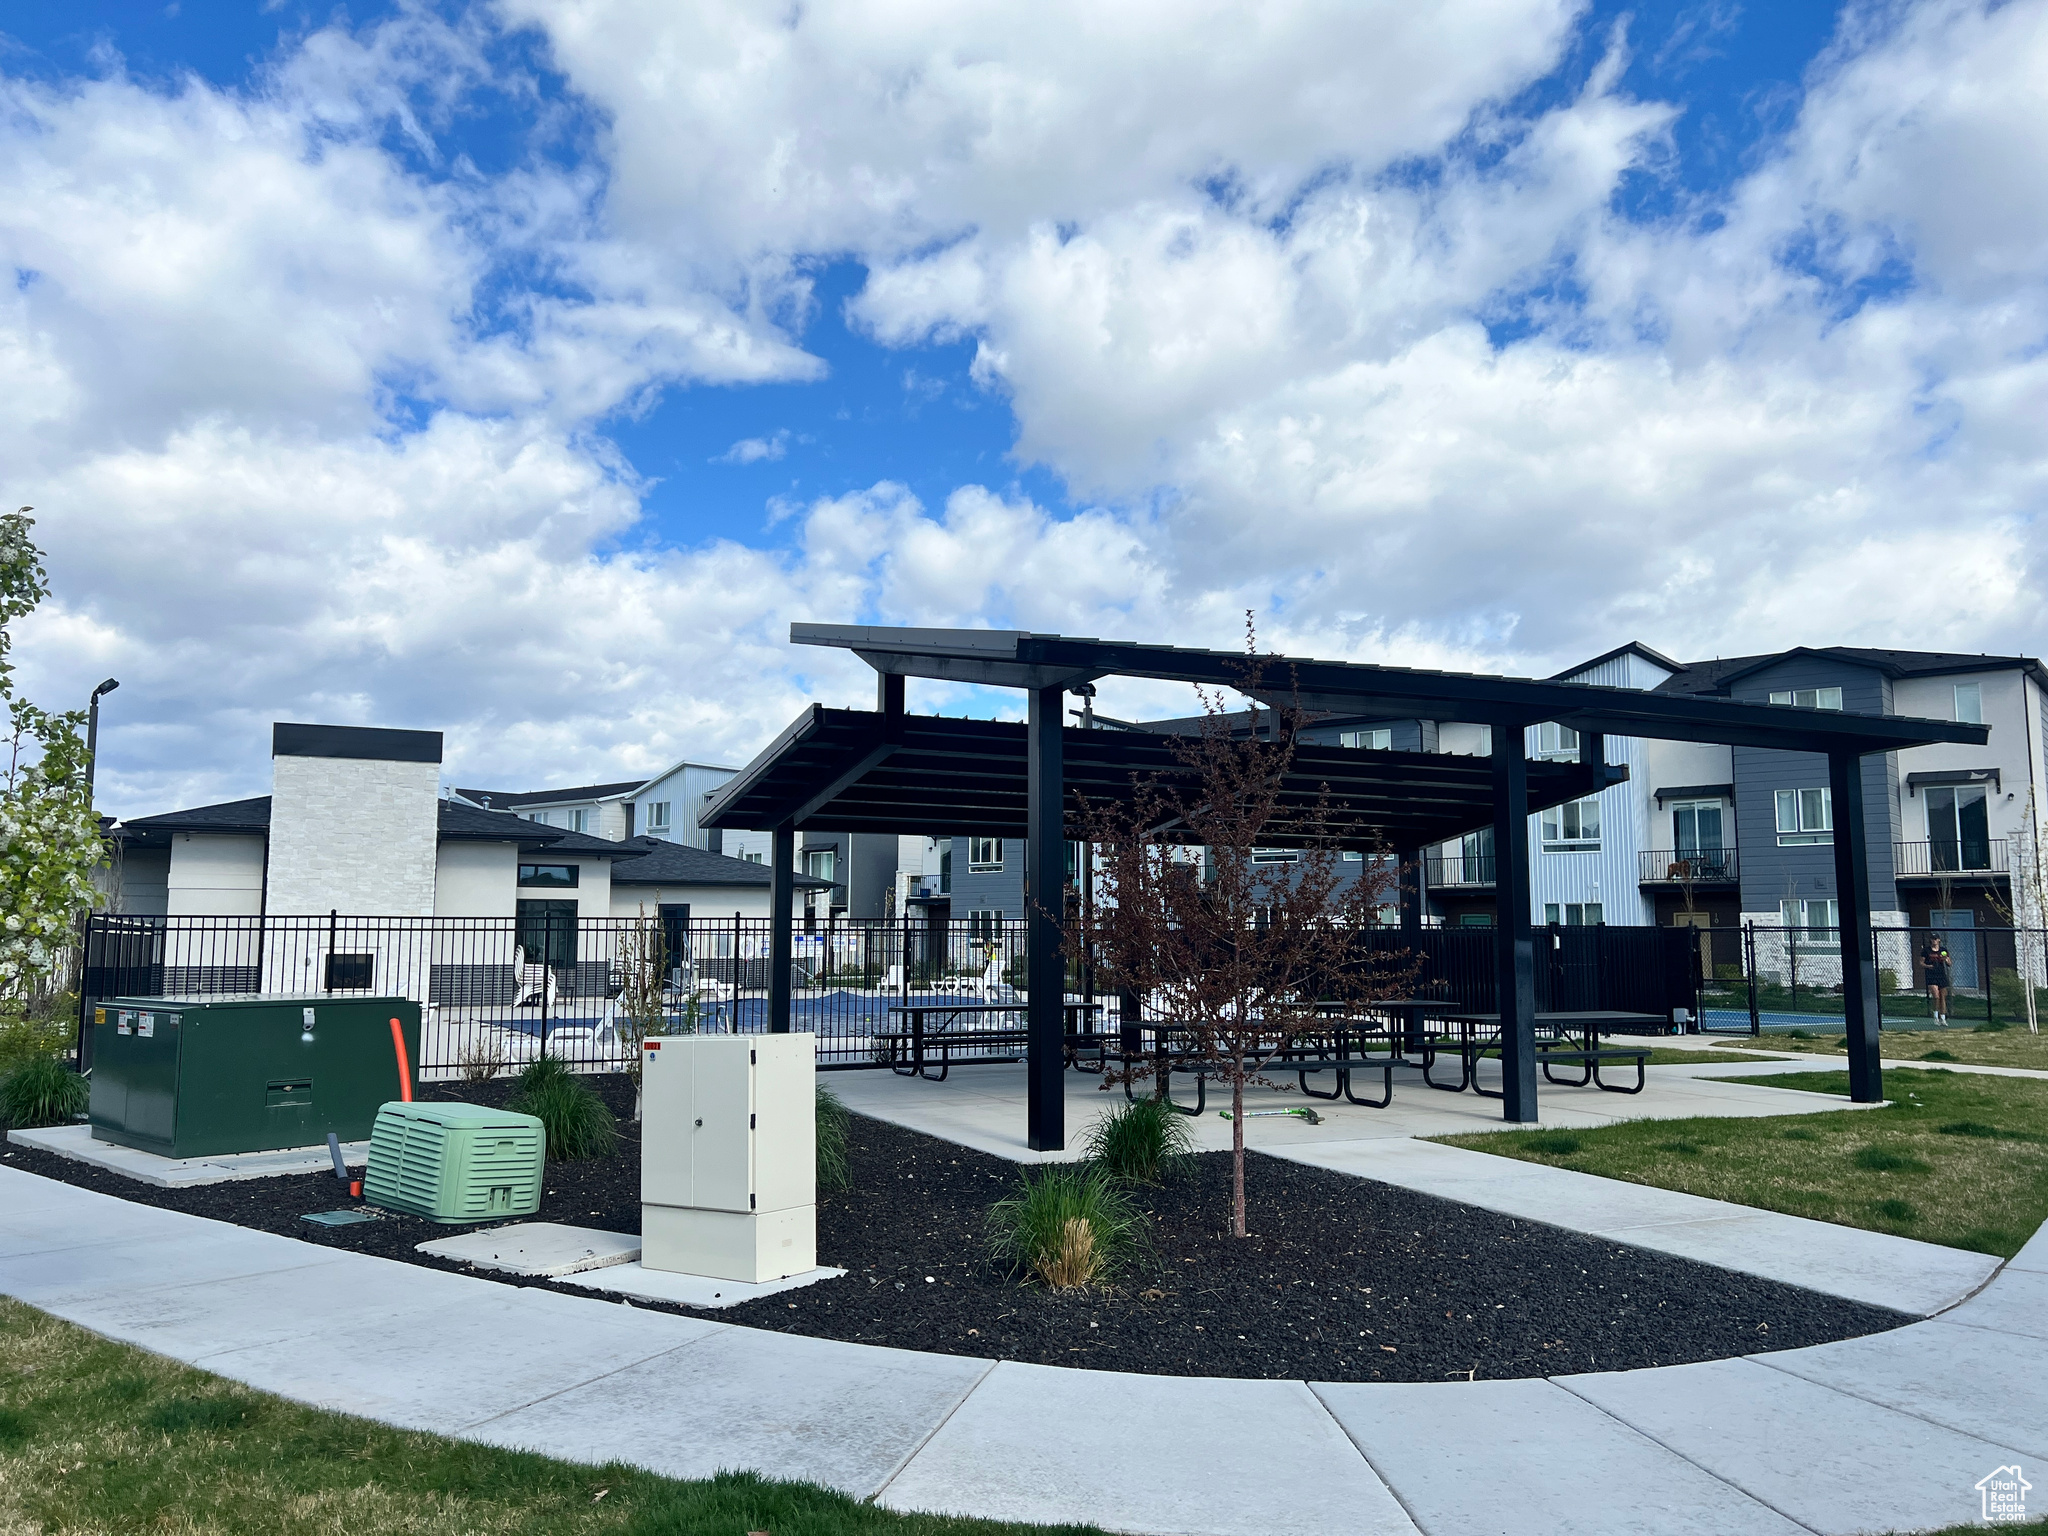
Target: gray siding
1000, 890
1771, 873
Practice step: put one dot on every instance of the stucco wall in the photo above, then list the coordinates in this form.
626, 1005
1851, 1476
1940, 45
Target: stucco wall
214, 875
707, 903
354, 835
476, 880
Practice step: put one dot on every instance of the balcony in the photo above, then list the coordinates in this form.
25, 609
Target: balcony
1942, 858
1696, 866
1469, 870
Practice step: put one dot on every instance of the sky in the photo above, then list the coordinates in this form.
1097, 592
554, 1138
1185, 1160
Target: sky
522, 370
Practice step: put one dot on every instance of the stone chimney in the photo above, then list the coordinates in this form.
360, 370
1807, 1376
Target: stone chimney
354, 821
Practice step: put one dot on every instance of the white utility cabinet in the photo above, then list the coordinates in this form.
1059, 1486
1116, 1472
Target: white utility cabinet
729, 1155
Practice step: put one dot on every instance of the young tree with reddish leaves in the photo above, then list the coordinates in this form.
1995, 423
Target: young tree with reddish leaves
1242, 955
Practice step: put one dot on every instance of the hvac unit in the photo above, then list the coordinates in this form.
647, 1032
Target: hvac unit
455, 1162
729, 1155
207, 1076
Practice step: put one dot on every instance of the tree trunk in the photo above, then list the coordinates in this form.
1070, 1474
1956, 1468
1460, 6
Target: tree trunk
1237, 1155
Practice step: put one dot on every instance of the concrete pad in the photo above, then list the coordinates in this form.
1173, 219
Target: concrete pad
209, 1253
1835, 1463
844, 1415
636, 1280
1570, 1466
76, 1143
1993, 1386
1223, 1457
2034, 1256
455, 1364
548, 1249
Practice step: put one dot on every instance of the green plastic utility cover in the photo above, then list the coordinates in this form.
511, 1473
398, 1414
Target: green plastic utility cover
209, 1076
454, 1163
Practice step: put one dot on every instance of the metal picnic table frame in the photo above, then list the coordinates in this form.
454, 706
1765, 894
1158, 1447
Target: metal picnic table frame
1556, 1026
920, 1034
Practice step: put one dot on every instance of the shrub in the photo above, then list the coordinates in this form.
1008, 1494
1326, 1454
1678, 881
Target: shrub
483, 1058
1144, 1141
1069, 1227
1552, 1143
42, 1091
577, 1123
25, 1039
834, 1173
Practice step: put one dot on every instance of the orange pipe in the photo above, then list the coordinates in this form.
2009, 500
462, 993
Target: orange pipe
404, 1066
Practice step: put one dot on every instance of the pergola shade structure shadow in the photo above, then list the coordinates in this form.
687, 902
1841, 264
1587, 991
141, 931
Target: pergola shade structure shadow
888, 771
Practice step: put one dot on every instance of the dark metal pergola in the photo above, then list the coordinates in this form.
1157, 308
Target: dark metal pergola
888, 771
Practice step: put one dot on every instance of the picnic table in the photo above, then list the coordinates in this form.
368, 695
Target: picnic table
937, 1023
1565, 1035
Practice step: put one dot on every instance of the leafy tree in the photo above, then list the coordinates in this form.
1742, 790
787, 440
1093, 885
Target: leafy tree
50, 839
1239, 953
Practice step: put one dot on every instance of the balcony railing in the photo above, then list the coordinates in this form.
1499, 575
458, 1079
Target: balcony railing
1673, 866
1458, 869
1943, 856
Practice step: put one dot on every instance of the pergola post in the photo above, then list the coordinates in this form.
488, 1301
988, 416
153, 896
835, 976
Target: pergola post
781, 926
1514, 949
1045, 868
1860, 999
1410, 888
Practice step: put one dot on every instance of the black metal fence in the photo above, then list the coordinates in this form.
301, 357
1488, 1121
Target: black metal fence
1761, 977
496, 992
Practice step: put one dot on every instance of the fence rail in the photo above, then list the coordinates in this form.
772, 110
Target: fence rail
1454, 869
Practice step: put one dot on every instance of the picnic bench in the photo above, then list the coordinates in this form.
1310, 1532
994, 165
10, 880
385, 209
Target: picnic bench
946, 1025
1561, 1036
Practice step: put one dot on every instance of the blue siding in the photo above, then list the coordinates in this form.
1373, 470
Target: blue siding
998, 890
1771, 873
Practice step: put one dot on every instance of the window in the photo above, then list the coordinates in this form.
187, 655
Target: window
539, 818
1696, 827
1809, 922
1809, 698
984, 853
1486, 750
1573, 914
350, 973
752, 858
657, 816
946, 869
1475, 920
1276, 855
1554, 740
1353, 856
985, 926
1805, 816
1958, 829
819, 863
579, 820
1573, 827
1379, 740
562, 877
1970, 703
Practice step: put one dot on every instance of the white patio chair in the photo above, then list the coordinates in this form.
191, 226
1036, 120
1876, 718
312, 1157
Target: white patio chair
536, 983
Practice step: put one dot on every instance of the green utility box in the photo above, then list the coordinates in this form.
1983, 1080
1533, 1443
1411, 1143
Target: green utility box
205, 1076
455, 1162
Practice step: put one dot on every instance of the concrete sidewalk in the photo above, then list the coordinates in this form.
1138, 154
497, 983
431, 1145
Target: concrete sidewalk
1880, 1433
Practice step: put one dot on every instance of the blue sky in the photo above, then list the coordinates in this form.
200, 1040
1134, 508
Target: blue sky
524, 370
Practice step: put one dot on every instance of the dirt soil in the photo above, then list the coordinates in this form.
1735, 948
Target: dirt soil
1343, 1279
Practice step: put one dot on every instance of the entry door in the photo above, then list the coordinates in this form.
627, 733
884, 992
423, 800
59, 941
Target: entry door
1704, 921
548, 927
1696, 836
1959, 931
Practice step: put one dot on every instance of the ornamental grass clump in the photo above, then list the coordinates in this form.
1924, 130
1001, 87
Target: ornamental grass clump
577, 1123
1068, 1228
41, 1091
834, 1172
1145, 1141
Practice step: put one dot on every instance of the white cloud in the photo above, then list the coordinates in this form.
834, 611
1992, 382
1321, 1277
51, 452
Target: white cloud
756, 450
309, 407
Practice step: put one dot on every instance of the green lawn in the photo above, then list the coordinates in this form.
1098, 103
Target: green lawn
1955, 1158
2014, 1047
97, 1437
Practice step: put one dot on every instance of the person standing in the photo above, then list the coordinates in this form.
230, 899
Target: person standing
1936, 964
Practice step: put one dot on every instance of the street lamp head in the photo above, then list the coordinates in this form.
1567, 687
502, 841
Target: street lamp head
107, 687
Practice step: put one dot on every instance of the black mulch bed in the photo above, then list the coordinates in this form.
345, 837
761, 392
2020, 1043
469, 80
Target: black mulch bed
1343, 1279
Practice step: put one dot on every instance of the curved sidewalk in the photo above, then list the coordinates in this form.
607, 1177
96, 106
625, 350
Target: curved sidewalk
1881, 1433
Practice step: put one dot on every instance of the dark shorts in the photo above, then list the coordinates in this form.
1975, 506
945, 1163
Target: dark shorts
1937, 975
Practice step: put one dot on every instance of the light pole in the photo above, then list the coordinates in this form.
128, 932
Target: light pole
92, 732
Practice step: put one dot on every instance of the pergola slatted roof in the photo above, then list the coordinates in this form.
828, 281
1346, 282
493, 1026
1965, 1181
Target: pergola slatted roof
1007, 658
840, 770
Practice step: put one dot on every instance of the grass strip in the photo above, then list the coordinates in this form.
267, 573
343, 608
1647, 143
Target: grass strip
1977, 1047
102, 1437
1955, 1158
